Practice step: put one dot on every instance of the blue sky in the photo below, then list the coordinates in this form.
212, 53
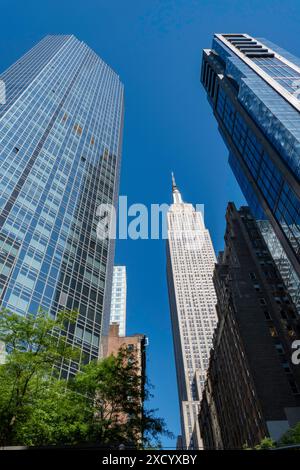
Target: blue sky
155, 46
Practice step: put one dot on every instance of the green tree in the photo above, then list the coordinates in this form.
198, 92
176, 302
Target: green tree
59, 416
103, 403
117, 392
292, 436
265, 444
35, 343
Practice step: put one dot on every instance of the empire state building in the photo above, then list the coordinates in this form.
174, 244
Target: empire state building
190, 265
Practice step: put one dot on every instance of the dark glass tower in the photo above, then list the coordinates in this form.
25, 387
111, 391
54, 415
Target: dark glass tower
60, 149
253, 87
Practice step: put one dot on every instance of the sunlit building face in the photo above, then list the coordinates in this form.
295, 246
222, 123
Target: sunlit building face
60, 138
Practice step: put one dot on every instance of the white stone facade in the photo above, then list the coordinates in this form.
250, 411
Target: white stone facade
118, 299
191, 261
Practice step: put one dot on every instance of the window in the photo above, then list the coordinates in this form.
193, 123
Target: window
267, 315
283, 314
63, 299
286, 367
294, 387
273, 331
87, 337
279, 348
78, 129
16, 302
79, 332
291, 332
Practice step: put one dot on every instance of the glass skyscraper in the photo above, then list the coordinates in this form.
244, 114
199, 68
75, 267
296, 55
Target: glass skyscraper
253, 87
60, 149
118, 299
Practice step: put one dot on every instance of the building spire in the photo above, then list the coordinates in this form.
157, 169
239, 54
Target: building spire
177, 199
173, 181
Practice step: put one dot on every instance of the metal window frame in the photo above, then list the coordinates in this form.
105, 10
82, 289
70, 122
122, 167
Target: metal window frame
265, 76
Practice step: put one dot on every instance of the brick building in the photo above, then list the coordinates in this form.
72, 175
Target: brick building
135, 343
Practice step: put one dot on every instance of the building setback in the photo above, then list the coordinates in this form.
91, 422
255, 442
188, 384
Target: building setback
60, 150
253, 389
118, 299
253, 87
190, 265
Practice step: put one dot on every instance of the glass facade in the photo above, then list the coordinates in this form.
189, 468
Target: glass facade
287, 272
60, 144
254, 89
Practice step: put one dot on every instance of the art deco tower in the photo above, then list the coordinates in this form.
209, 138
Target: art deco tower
190, 266
60, 150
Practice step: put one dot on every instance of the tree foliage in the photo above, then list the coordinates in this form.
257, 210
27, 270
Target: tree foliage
291, 437
266, 444
103, 403
117, 392
34, 345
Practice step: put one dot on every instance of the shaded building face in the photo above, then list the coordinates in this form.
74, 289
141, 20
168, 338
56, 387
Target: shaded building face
60, 136
253, 387
253, 87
